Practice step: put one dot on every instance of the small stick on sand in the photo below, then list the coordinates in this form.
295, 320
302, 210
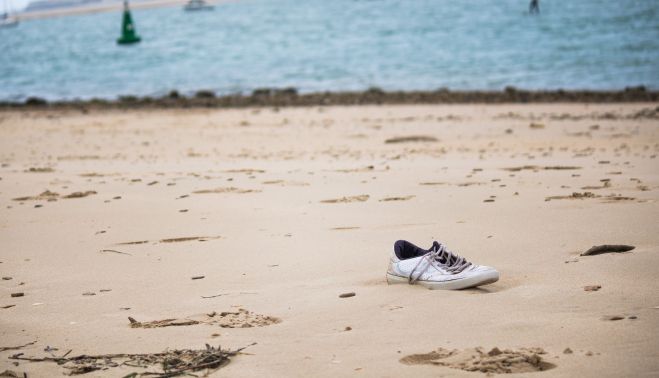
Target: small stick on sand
2, 349
214, 296
114, 251
600, 249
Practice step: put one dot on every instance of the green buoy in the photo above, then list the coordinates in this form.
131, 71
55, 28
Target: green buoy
128, 34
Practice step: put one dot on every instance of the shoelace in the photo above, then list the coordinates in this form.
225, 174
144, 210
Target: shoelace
449, 261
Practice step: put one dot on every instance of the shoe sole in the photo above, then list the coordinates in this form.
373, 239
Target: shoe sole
483, 278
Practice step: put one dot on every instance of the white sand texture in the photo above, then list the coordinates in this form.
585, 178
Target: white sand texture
242, 228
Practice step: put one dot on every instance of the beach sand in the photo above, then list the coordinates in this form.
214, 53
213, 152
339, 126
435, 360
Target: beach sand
111, 214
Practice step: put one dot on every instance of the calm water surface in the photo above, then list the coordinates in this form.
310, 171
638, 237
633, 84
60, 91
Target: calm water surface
319, 45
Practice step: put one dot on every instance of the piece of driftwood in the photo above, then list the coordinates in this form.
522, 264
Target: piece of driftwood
607, 248
2, 349
173, 363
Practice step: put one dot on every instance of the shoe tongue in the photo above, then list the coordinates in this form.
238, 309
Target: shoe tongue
441, 259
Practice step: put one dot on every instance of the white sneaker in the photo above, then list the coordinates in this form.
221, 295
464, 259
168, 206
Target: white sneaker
436, 268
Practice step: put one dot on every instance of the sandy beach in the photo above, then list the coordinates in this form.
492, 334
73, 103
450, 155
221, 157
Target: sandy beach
238, 226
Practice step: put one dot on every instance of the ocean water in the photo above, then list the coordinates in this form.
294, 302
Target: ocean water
319, 45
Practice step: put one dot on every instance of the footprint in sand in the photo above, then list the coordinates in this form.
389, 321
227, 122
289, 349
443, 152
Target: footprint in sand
79, 194
285, 183
574, 195
368, 168
79, 157
230, 189
460, 184
249, 171
359, 198
161, 323
606, 184
618, 198
241, 318
411, 139
496, 361
96, 174
44, 196
40, 170
401, 198
433, 183
470, 183
579, 196
52, 196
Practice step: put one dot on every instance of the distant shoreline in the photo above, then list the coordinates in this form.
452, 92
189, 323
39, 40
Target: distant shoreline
373, 96
98, 8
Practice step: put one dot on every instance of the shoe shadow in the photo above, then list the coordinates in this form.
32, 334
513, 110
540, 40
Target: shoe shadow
480, 290
492, 288
499, 286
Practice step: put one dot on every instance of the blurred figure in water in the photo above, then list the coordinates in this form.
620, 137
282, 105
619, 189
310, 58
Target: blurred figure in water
534, 7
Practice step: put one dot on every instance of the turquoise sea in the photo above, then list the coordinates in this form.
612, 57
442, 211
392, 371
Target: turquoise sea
329, 45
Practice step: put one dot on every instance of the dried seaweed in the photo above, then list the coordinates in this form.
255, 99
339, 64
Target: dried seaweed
172, 363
